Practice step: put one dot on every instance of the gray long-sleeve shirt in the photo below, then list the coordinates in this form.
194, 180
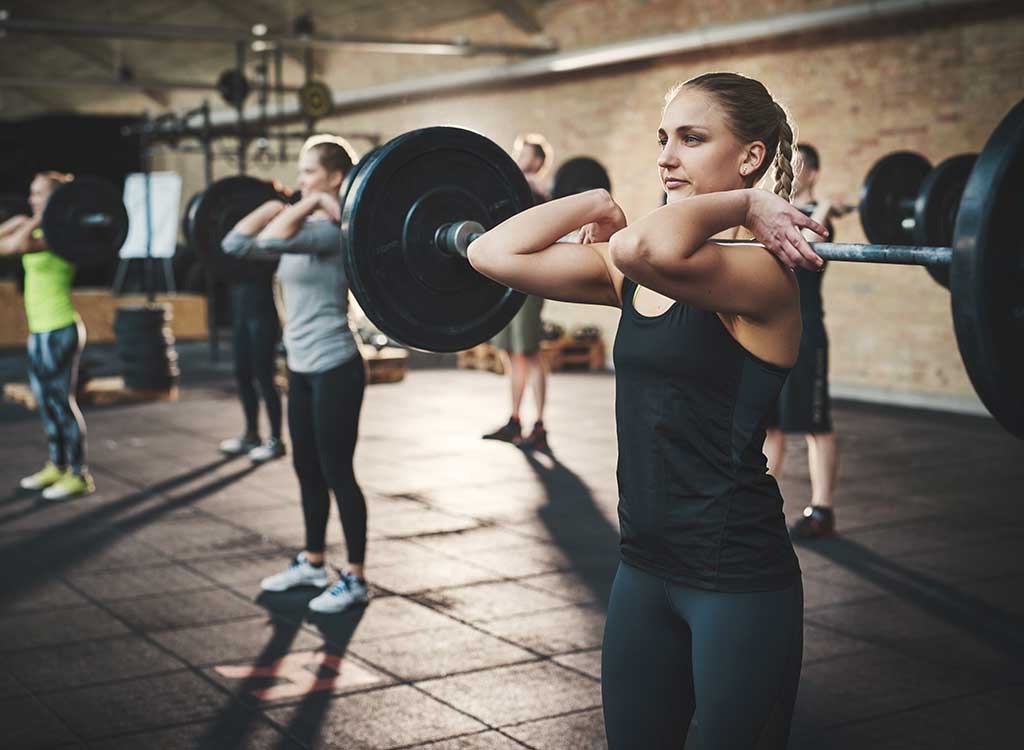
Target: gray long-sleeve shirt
315, 288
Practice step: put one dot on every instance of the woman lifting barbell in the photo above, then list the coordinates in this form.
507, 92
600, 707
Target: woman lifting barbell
326, 373
55, 342
706, 609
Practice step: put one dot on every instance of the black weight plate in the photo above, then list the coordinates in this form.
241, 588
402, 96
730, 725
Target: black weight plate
987, 274
233, 87
411, 290
85, 221
938, 202
219, 208
887, 197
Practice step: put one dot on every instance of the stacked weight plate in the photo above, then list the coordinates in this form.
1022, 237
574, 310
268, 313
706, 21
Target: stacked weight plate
145, 345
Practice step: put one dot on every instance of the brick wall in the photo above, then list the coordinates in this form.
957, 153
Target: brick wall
937, 85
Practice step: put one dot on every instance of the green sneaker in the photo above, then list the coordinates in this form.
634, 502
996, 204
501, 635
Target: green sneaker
69, 486
49, 474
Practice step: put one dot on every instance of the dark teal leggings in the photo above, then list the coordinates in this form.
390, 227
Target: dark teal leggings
671, 651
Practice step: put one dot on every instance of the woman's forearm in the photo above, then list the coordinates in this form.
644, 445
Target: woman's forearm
254, 222
19, 241
12, 224
290, 220
542, 226
671, 234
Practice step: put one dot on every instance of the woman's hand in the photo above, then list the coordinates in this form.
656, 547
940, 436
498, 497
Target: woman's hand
611, 220
331, 205
19, 239
776, 224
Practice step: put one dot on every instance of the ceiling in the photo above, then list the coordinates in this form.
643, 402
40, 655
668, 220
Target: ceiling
29, 60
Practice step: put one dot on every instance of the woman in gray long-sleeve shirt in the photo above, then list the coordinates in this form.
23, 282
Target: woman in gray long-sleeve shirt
326, 373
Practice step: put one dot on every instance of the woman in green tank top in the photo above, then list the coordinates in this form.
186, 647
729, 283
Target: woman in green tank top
55, 342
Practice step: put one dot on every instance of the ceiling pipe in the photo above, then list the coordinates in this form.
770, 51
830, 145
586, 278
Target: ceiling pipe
459, 46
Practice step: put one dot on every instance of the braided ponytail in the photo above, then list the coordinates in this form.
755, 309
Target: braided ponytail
784, 158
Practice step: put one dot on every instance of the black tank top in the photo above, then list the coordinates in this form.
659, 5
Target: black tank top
696, 504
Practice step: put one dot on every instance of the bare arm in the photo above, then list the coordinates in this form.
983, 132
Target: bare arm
523, 252
254, 222
12, 224
669, 251
289, 221
20, 240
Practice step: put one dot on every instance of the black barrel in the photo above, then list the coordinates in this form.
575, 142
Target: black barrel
145, 345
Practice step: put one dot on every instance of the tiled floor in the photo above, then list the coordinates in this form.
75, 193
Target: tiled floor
133, 619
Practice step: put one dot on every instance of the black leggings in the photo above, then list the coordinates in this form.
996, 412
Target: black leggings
53, 376
671, 651
323, 419
256, 331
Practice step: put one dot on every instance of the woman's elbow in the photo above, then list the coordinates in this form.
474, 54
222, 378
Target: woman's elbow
627, 250
481, 256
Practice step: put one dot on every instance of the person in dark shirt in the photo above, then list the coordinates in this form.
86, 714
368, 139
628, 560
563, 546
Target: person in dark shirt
804, 406
706, 610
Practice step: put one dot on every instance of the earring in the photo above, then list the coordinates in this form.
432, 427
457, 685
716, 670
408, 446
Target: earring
743, 171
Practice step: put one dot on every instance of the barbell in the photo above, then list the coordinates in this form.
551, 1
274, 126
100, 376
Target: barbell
415, 207
85, 221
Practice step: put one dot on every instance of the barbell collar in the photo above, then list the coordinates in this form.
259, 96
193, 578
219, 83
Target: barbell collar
456, 237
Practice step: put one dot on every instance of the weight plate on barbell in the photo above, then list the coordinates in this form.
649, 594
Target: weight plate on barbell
887, 197
85, 221
987, 274
222, 205
938, 201
315, 99
413, 291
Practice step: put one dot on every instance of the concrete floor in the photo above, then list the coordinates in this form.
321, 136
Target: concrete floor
133, 619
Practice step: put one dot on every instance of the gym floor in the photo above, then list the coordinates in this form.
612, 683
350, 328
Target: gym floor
132, 618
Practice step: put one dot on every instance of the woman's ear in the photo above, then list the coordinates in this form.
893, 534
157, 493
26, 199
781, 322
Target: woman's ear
752, 159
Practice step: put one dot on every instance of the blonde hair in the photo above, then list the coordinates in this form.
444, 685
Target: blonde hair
540, 144
752, 114
334, 153
56, 179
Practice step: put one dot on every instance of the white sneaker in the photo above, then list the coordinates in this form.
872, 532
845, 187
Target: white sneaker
347, 592
238, 446
272, 448
300, 573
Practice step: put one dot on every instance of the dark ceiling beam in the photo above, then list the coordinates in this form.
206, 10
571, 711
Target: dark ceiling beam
521, 13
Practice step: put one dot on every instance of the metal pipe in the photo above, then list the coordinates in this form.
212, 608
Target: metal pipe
15, 82
772, 27
357, 42
906, 255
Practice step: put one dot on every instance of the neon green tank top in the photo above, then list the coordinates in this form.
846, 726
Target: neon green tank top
48, 280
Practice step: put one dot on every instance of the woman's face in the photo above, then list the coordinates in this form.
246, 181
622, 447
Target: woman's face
699, 153
38, 193
314, 178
